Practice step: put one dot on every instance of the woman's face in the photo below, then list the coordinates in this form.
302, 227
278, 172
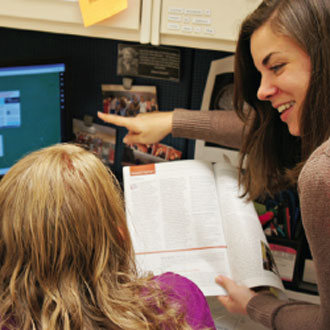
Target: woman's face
285, 74
127, 54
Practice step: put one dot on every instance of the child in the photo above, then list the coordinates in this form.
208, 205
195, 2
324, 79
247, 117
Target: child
66, 256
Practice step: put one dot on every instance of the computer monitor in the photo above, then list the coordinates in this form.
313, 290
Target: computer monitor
33, 112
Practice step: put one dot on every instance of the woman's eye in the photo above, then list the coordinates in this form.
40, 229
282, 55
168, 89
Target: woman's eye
277, 67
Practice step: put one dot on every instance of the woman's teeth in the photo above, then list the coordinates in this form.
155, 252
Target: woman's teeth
285, 106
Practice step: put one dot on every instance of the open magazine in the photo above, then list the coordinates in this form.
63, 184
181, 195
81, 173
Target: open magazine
187, 217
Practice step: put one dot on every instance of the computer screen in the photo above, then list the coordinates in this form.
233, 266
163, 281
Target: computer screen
33, 111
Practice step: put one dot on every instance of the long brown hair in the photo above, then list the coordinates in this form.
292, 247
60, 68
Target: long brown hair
66, 257
269, 150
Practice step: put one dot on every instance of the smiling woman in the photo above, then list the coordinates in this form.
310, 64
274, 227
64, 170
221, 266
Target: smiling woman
280, 61
281, 51
282, 72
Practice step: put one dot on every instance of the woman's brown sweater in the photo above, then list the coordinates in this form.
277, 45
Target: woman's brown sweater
225, 128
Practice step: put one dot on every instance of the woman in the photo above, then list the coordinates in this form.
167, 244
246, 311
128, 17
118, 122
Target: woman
128, 61
66, 257
282, 71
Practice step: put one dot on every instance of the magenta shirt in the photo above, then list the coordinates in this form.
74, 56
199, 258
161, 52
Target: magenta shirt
191, 297
187, 293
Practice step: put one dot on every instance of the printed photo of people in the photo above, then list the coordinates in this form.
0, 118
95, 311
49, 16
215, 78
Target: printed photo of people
137, 100
136, 154
99, 139
120, 101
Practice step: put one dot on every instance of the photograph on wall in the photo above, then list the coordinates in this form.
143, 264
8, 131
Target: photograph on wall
218, 96
129, 103
148, 61
221, 92
99, 139
136, 154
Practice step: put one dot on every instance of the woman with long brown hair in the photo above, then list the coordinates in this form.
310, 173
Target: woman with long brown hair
282, 72
66, 256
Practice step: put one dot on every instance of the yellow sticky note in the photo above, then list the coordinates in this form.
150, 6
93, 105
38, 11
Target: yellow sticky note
94, 11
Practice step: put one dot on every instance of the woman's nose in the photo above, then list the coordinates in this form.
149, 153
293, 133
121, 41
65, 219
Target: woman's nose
266, 89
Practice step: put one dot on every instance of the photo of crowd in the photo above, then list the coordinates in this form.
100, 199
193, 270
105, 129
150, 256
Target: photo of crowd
99, 139
129, 103
120, 101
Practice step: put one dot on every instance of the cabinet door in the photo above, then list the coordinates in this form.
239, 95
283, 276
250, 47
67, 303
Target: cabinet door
209, 24
63, 16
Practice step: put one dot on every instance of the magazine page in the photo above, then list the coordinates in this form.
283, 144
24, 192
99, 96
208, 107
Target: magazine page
249, 255
173, 216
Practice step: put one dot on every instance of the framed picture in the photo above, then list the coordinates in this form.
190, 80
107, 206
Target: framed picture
129, 102
136, 60
218, 95
99, 139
